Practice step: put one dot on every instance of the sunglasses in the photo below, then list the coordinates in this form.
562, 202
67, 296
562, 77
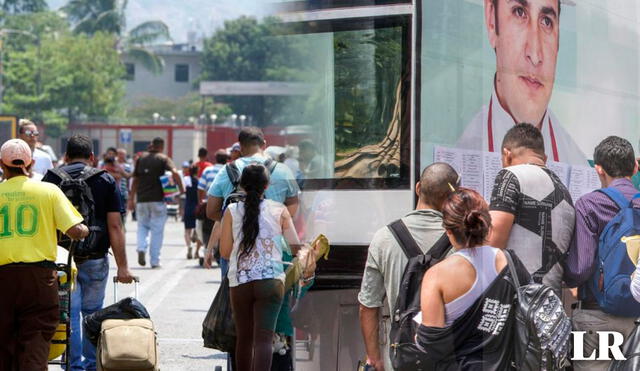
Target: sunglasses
31, 133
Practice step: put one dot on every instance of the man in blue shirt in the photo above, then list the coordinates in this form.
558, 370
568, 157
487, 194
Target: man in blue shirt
282, 187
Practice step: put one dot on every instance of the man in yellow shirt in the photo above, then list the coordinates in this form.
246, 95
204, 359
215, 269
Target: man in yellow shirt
30, 214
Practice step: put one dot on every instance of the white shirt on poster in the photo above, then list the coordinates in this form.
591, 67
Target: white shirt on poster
501, 121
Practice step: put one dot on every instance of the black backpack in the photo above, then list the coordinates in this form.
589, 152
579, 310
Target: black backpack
543, 329
79, 193
234, 177
403, 352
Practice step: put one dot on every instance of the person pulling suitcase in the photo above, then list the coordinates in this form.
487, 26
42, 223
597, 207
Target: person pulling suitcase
96, 195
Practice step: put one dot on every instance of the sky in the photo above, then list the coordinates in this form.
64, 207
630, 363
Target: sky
203, 16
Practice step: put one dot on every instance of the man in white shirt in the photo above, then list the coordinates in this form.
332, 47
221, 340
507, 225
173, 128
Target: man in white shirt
28, 131
525, 37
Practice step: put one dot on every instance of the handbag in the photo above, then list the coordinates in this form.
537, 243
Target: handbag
218, 328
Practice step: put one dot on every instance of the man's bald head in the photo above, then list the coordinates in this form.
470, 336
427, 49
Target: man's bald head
436, 184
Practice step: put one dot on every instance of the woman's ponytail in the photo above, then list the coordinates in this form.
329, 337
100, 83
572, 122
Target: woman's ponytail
254, 181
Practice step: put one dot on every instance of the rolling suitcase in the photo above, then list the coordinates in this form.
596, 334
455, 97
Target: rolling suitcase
127, 344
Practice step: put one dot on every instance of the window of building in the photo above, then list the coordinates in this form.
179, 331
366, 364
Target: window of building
130, 71
182, 73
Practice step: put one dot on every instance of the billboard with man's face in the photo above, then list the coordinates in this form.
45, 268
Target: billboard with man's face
568, 67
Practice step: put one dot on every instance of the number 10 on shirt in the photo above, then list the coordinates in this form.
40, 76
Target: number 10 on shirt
22, 220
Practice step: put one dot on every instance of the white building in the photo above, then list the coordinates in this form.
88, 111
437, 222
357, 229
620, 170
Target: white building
181, 70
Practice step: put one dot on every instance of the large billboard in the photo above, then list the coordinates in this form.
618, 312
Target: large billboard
568, 67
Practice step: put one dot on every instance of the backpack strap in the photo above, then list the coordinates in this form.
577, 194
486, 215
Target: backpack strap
512, 270
405, 239
233, 173
270, 165
616, 196
440, 248
63, 175
89, 172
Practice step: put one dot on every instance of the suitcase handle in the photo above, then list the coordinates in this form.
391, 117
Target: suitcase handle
136, 282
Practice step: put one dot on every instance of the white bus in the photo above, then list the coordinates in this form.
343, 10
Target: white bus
399, 83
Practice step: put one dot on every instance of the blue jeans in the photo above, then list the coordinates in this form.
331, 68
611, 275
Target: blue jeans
151, 218
87, 298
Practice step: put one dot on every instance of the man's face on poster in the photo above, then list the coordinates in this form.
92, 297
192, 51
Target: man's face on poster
525, 36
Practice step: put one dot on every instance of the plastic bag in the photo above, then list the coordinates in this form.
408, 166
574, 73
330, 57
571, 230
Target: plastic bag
218, 328
128, 308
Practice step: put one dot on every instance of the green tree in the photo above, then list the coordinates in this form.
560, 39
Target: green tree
64, 77
24, 6
246, 49
92, 16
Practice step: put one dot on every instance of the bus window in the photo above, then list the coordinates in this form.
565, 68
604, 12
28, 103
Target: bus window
355, 132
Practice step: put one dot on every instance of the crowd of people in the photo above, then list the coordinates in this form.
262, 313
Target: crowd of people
239, 210
257, 194
531, 214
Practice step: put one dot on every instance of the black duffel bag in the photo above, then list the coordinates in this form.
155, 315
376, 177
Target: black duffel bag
218, 328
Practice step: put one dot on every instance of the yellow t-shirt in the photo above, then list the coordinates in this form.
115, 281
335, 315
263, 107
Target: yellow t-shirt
30, 213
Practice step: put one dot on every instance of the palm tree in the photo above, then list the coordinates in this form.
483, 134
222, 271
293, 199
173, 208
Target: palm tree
91, 16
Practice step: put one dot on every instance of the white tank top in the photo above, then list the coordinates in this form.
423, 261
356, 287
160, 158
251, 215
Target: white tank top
265, 259
483, 260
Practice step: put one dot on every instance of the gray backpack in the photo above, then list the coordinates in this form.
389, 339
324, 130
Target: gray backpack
543, 329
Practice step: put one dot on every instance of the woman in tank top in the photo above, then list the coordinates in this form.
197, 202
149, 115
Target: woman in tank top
457, 292
252, 240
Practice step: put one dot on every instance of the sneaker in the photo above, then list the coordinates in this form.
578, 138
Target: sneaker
190, 253
158, 266
141, 258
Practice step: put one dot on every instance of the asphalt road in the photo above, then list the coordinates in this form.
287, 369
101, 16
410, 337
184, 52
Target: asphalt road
177, 296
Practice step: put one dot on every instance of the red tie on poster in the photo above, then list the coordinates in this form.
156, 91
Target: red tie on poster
554, 146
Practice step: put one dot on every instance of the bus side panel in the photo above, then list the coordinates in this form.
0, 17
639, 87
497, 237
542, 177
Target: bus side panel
350, 217
328, 333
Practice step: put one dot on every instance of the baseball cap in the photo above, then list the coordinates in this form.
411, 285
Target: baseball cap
186, 164
16, 153
234, 147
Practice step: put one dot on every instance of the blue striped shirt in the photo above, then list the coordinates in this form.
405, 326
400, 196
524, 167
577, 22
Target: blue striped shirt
208, 175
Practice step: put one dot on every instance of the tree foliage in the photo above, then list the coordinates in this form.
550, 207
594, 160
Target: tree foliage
367, 71
109, 16
24, 6
60, 77
246, 49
